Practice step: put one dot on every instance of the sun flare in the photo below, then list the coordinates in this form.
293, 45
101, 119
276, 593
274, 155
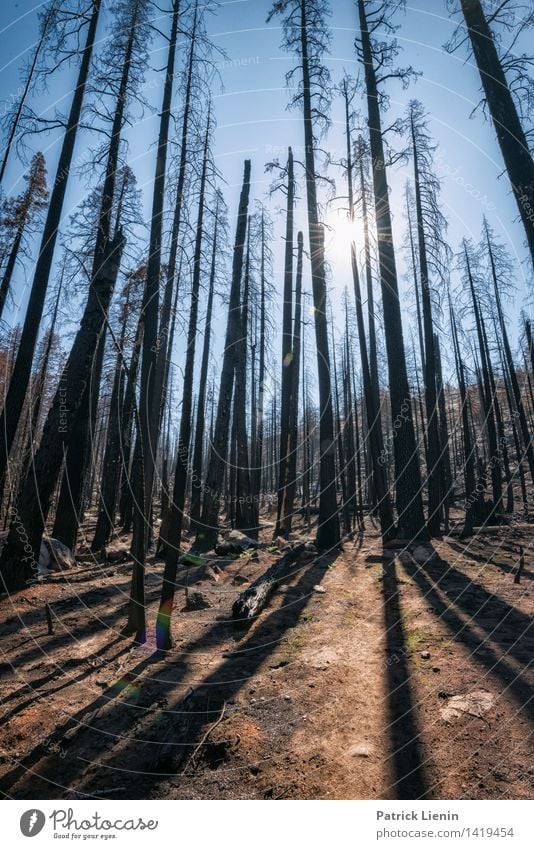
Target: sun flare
339, 232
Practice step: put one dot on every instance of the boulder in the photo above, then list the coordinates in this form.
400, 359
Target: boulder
476, 704
56, 556
234, 542
423, 555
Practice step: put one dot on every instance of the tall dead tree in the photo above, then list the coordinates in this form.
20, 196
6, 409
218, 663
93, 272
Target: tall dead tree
111, 460
502, 105
175, 526
18, 213
488, 399
259, 434
209, 523
377, 57
290, 484
306, 34
433, 253
246, 516
369, 372
287, 319
20, 376
149, 407
470, 493
84, 359
200, 424
47, 17
497, 267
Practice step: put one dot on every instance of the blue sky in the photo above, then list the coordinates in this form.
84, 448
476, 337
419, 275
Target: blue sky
253, 120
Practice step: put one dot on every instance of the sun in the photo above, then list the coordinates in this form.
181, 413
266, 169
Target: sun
339, 233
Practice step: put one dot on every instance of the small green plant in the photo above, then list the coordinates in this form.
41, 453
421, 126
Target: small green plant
305, 616
413, 640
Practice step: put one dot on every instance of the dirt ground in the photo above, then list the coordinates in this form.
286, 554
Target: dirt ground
372, 673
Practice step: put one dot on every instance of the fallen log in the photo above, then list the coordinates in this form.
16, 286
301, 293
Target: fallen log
252, 600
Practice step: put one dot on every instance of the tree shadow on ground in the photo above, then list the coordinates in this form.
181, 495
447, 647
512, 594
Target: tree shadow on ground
466, 551
407, 759
460, 604
123, 736
76, 601
512, 630
82, 630
34, 686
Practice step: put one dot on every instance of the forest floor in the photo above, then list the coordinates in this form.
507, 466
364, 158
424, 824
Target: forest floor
368, 675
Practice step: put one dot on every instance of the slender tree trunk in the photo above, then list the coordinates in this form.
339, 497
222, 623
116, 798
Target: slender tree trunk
446, 473
348, 417
207, 534
371, 323
341, 449
165, 329
416, 287
510, 134
26, 89
79, 456
358, 449
246, 513
197, 467
488, 400
328, 525
291, 469
433, 464
411, 521
111, 463
512, 374
184, 439
10, 265
515, 435
128, 418
287, 364
499, 423
528, 333
258, 465
468, 464
149, 404
20, 377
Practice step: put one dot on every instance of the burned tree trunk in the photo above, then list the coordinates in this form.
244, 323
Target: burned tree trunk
510, 134
207, 533
411, 521
21, 374
287, 363
196, 471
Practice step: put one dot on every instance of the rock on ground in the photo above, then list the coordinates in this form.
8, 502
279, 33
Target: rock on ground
234, 542
476, 703
56, 556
